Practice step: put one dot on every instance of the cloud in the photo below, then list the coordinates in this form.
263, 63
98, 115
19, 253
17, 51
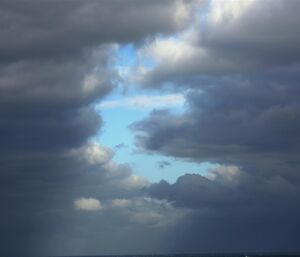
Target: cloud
145, 102
241, 85
96, 154
227, 173
229, 121
228, 198
134, 181
87, 204
231, 38
81, 23
162, 164
50, 79
239, 71
239, 64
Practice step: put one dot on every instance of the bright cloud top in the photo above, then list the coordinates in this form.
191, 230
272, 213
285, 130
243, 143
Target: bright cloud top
224, 11
87, 204
145, 102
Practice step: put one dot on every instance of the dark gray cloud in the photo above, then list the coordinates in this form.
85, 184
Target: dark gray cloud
231, 114
228, 190
55, 58
56, 61
241, 203
229, 120
239, 69
44, 29
247, 38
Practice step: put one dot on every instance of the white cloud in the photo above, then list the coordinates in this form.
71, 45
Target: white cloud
123, 176
97, 154
167, 50
94, 153
134, 182
144, 102
229, 174
87, 204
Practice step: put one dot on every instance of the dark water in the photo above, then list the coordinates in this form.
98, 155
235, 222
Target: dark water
207, 255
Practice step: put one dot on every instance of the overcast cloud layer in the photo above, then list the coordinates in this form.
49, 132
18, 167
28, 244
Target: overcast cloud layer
238, 62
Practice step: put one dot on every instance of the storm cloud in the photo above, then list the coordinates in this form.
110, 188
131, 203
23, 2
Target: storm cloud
56, 61
239, 68
231, 115
253, 209
235, 65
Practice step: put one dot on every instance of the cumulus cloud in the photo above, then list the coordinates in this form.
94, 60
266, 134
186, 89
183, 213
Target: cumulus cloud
79, 23
87, 204
96, 154
242, 98
239, 64
134, 181
227, 11
231, 38
228, 188
228, 121
228, 196
229, 173
50, 79
239, 67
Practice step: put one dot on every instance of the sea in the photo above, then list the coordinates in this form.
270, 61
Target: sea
205, 255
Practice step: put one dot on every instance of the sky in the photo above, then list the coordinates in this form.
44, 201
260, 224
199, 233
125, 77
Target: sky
127, 105
143, 127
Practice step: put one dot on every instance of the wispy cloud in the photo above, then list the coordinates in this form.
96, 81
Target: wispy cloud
144, 102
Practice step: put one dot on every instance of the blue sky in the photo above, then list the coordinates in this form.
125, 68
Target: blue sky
123, 107
116, 132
